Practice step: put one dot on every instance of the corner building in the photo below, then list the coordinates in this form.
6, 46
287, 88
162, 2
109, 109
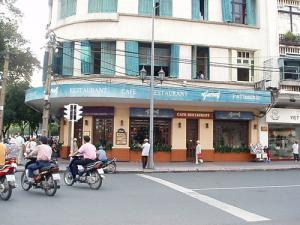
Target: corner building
212, 53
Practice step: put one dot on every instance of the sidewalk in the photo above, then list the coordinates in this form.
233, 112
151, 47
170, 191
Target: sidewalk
132, 167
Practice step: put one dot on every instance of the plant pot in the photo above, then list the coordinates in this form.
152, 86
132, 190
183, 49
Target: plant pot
162, 156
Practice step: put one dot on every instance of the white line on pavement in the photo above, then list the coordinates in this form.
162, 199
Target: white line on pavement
235, 211
249, 187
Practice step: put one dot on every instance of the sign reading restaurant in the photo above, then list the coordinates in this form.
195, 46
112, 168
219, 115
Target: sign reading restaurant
194, 115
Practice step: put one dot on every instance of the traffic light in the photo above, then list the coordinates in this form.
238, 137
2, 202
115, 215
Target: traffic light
67, 112
78, 112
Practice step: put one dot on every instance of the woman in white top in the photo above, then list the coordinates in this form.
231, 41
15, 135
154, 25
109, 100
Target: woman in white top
198, 153
295, 148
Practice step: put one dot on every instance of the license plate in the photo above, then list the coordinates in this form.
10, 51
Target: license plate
11, 178
100, 171
14, 165
56, 176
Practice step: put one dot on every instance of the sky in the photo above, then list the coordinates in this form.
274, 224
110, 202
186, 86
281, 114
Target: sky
33, 28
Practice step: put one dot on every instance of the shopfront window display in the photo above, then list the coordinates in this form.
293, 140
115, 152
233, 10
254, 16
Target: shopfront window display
281, 140
139, 130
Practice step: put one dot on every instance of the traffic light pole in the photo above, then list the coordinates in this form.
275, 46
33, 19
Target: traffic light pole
47, 87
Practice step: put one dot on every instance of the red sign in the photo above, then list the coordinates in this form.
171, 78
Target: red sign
194, 115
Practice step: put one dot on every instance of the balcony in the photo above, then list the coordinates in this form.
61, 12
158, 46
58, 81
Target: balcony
289, 39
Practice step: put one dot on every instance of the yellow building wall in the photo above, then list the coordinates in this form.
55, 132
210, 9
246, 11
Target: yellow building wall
253, 132
88, 127
178, 134
121, 120
206, 134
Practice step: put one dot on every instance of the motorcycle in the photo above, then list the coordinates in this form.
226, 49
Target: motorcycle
12, 162
46, 178
7, 181
109, 166
92, 174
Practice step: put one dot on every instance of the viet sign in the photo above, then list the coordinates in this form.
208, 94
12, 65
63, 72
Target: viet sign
194, 115
121, 137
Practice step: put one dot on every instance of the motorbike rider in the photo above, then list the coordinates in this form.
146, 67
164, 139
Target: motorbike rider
88, 151
43, 154
102, 154
3, 152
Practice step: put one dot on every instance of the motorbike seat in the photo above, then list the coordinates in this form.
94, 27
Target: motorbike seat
47, 167
91, 165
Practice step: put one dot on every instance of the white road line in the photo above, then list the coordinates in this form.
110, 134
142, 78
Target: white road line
247, 187
235, 211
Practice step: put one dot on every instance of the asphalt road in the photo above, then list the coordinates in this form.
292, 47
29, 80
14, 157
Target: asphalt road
218, 198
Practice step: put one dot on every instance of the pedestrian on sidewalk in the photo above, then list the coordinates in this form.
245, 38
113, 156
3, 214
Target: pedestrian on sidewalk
145, 152
198, 153
21, 149
295, 148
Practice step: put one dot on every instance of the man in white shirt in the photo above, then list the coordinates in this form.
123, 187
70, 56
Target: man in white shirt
145, 152
295, 148
20, 146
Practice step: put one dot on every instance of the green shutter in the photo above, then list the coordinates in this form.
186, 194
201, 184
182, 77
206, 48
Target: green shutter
227, 10
109, 6
132, 58
194, 62
68, 56
196, 9
94, 6
85, 57
251, 12
108, 58
145, 7
174, 63
206, 10
165, 8
67, 8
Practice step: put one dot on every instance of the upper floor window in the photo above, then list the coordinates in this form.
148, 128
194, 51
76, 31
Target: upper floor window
239, 11
162, 7
67, 8
106, 6
200, 9
245, 66
289, 69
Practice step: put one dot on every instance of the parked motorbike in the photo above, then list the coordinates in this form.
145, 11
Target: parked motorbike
110, 166
7, 181
46, 178
92, 174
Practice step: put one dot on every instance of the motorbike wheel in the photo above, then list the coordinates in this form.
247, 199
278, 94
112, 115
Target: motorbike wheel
5, 195
111, 168
98, 180
51, 185
24, 182
68, 178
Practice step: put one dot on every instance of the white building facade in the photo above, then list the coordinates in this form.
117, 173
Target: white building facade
211, 51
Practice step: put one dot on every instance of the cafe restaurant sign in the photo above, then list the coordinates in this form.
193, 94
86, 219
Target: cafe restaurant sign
194, 115
280, 115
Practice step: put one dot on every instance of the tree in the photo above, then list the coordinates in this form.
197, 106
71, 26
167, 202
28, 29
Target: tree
17, 112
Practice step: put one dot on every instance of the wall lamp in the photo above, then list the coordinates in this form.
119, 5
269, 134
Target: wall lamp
179, 125
121, 122
206, 125
86, 122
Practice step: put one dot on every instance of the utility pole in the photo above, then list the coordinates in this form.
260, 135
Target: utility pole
47, 88
2, 96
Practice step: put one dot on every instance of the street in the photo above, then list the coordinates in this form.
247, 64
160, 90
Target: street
206, 198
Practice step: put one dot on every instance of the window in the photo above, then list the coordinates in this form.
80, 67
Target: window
290, 69
103, 131
230, 133
162, 54
239, 11
200, 67
245, 66
200, 9
162, 7
139, 130
157, 8
67, 8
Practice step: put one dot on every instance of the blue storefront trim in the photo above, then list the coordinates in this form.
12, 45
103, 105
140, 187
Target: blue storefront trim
129, 91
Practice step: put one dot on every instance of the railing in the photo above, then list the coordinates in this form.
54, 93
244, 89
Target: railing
283, 40
288, 3
284, 50
290, 88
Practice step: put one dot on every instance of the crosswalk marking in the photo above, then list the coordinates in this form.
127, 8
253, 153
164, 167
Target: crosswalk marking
235, 211
247, 187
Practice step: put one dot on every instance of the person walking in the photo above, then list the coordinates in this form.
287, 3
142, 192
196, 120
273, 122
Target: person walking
295, 148
21, 149
198, 153
145, 152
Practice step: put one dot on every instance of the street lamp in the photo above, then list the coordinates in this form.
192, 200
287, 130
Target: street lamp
143, 74
161, 75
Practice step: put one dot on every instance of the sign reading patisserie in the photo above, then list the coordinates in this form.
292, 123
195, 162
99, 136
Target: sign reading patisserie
194, 115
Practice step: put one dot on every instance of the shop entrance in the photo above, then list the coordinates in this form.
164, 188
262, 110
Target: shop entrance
78, 132
103, 131
191, 138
